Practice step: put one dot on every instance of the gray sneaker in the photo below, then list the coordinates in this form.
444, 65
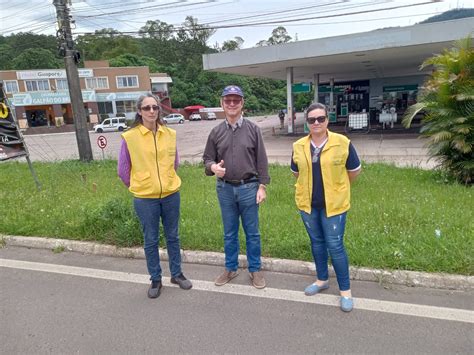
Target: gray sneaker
225, 277
155, 289
182, 281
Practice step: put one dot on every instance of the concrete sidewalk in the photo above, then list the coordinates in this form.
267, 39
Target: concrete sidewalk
397, 277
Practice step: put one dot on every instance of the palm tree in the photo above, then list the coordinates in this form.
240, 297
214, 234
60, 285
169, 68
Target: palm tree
447, 100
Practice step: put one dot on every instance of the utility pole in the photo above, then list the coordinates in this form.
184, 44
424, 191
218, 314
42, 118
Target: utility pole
71, 59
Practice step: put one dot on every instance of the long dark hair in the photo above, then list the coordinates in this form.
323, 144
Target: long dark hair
138, 117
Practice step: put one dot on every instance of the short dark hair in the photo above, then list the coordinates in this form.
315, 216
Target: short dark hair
315, 106
138, 117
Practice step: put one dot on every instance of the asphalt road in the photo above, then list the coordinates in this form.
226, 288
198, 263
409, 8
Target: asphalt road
72, 303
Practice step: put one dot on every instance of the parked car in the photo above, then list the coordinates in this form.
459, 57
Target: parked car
210, 116
111, 125
195, 116
174, 118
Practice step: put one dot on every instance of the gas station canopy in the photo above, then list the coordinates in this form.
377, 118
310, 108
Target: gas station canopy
390, 52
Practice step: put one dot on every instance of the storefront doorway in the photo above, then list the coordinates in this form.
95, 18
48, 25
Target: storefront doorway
37, 118
349, 97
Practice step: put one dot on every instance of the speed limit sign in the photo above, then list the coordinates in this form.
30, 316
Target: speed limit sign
101, 142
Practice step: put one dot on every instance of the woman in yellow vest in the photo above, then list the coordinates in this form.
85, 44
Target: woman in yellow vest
147, 165
325, 164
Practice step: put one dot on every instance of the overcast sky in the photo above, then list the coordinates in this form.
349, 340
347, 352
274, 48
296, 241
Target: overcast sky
255, 18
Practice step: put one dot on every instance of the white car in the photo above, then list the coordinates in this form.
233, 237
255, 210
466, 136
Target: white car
174, 118
195, 116
209, 116
111, 125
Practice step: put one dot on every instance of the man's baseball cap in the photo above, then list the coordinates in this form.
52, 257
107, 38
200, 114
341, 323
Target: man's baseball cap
232, 90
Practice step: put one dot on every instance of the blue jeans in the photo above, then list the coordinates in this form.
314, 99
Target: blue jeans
149, 211
327, 234
239, 202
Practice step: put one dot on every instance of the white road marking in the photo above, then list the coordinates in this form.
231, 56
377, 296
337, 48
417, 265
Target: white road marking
443, 313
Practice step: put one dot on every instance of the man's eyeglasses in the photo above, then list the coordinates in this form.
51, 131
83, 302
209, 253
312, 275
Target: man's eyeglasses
149, 107
232, 101
312, 120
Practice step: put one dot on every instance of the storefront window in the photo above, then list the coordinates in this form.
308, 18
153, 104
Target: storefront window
349, 97
105, 107
126, 106
399, 97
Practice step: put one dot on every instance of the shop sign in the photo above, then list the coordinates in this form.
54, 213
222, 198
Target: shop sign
343, 88
49, 98
301, 87
50, 74
11, 144
400, 88
85, 73
119, 96
337, 88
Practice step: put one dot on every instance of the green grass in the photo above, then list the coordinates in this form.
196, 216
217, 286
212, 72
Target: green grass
400, 218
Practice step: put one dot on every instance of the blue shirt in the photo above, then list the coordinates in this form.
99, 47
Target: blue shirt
352, 163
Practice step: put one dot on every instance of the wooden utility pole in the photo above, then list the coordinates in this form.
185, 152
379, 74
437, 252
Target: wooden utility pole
71, 59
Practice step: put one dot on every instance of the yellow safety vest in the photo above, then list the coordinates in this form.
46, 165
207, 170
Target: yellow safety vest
152, 156
337, 187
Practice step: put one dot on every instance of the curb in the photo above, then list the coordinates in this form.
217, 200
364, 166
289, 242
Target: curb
397, 277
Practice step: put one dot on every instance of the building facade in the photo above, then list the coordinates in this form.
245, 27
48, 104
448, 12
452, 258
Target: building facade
41, 97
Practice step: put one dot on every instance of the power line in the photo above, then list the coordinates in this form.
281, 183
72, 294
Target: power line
163, 6
250, 24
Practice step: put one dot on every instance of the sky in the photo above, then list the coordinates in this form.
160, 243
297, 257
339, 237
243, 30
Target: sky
252, 20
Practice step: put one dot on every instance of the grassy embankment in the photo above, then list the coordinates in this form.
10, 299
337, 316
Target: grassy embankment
400, 218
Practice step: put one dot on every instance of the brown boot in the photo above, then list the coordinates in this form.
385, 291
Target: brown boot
225, 277
258, 281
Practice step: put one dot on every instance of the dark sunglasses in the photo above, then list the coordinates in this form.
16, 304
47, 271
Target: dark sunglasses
149, 107
312, 120
232, 101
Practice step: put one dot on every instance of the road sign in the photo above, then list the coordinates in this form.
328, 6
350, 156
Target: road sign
301, 87
101, 142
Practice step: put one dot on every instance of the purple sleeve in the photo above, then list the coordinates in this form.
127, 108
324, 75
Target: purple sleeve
176, 160
124, 164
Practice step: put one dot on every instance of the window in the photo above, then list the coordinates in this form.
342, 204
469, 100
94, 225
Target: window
11, 86
127, 81
126, 106
61, 85
97, 83
105, 107
37, 85
159, 87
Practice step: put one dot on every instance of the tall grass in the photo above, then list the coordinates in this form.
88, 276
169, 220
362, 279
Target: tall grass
401, 218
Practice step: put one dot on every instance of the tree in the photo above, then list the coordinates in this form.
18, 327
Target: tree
35, 58
279, 36
192, 30
132, 60
232, 44
448, 103
157, 30
106, 43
